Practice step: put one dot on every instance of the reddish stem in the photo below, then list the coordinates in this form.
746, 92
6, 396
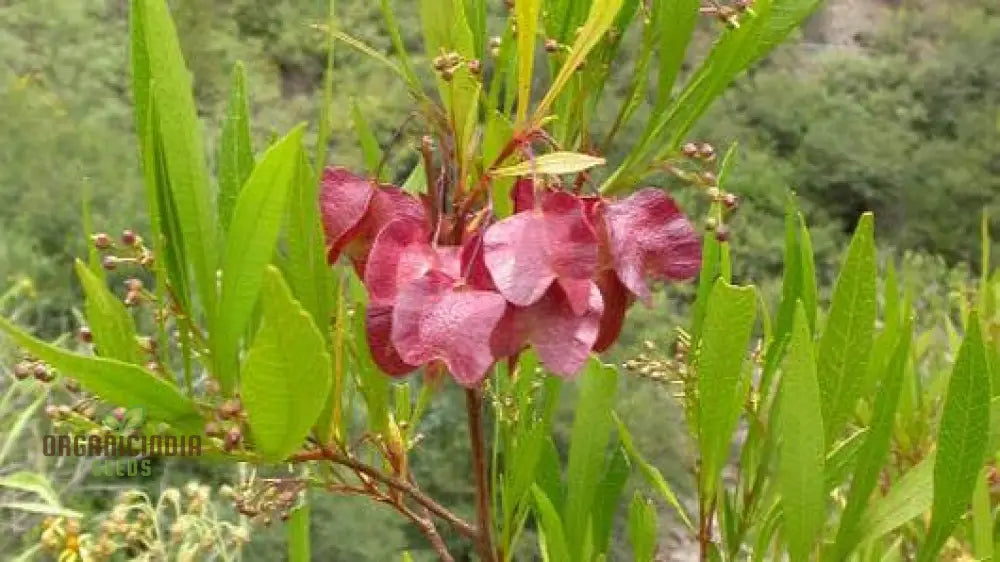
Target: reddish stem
484, 542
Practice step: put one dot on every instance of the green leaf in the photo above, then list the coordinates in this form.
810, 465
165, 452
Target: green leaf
32, 482
675, 21
116, 382
642, 529
587, 447
876, 448
13, 433
982, 518
399, 47
553, 163
253, 234
169, 89
235, 147
551, 525
446, 30
909, 497
526, 12
109, 320
42, 509
298, 534
728, 323
842, 458
370, 149
809, 293
286, 373
965, 423
607, 498
846, 343
710, 270
800, 426
652, 474
602, 15
305, 265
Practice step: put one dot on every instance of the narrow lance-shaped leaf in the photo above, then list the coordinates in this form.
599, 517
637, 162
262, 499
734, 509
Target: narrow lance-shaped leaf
608, 497
908, 498
675, 20
962, 439
876, 447
298, 534
116, 382
286, 373
602, 15
554, 163
846, 343
551, 526
527, 12
370, 149
652, 474
171, 94
642, 529
725, 342
110, 322
253, 235
587, 448
800, 427
235, 147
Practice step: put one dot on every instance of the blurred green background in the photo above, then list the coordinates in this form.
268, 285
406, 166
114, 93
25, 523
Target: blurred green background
884, 105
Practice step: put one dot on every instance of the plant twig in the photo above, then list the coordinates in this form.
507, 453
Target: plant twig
474, 406
415, 493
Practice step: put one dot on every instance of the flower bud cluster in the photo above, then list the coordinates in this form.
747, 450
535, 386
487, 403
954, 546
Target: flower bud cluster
262, 499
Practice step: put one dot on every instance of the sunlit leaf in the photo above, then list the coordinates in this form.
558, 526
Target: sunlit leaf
642, 529
553, 163
801, 458
110, 322
286, 373
961, 451
235, 159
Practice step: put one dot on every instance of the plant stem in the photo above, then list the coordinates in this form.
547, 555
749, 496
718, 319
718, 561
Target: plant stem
403, 486
484, 539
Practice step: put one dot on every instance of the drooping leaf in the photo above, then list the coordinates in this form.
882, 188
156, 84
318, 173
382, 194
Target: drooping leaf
253, 234
110, 322
33, 482
42, 509
962, 438
801, 457
876, 448
116, 382
13, 433
286, 372
235, 159
591, 432
846, 343
642, 529
725, 341
554, 163
675, 21
652, 474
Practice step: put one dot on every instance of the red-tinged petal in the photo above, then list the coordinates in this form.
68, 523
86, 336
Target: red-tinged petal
523, 195
473, 264
400, 254
378, 324
435, 320
648, 236
517, 258
617, 300
525, 253
344, 199
509, 336
450, 260
387, 204
562, 338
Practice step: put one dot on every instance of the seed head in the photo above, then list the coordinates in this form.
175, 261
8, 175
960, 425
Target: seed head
447, 74
706, 151
731, 201
129, 238
495, 42
52, 412
551, 45
212, 429
232, 440
722, 233
42, 372
118, 413
85, 335
22, 370
690, 150
475, 66
101, 241
109, 263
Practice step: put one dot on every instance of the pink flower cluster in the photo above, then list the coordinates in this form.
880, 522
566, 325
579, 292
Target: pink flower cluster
558, 275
